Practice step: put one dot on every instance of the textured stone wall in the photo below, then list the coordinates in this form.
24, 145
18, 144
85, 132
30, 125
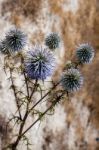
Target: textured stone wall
75, 124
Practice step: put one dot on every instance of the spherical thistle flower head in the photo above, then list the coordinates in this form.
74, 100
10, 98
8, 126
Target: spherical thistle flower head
85, 53
52, 41
15, 40
71, 80
39, 63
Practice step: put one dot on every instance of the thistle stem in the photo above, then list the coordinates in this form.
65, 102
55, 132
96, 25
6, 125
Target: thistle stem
14, 146
49, 108
15, 94
44, 96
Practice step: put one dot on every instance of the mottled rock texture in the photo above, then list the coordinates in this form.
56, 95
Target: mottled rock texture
75, 124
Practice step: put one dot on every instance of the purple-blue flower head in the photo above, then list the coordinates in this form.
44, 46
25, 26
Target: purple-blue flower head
39, 63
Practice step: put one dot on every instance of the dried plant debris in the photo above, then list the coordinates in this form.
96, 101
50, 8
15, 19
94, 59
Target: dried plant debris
27, 8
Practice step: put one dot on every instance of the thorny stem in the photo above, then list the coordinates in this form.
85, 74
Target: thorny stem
29, 97
49, 108
14, 145
38, 119
35, 85
20, 135
26, 83
27, 112
44, 96
16, 98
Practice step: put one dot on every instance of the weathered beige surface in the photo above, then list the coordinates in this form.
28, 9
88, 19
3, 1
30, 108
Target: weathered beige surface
73, 126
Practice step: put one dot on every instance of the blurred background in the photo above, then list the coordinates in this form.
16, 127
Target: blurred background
75, 124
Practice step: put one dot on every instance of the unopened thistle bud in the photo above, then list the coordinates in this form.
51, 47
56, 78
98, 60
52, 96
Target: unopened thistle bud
85, 53
71, 80
52, 41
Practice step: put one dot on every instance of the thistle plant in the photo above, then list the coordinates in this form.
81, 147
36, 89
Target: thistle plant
85, 53
52, 41
14, 41
36, 66
72, 80
39, 63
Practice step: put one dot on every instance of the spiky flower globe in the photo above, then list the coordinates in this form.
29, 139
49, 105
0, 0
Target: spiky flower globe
14, 41
52, 41
85, 53
71, 80
39, 63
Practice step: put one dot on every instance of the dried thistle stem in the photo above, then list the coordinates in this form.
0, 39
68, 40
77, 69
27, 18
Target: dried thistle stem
15, 94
